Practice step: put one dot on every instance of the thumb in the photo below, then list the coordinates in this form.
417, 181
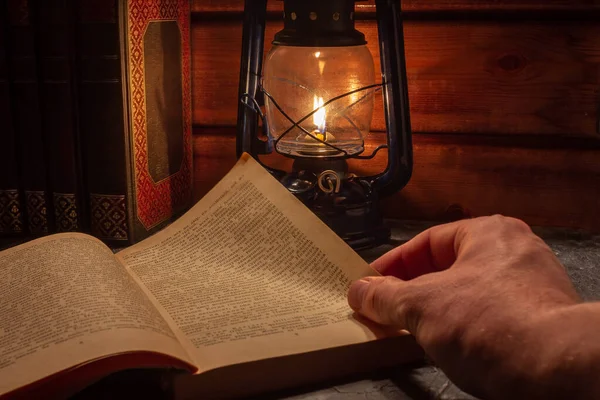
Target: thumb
385, 300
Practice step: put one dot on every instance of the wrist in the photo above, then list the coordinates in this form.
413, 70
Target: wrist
527, 354
558, 357
520, 365
571, 352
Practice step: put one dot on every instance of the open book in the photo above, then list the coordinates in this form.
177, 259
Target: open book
245, 293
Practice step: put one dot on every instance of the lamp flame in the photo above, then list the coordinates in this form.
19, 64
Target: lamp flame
319, 116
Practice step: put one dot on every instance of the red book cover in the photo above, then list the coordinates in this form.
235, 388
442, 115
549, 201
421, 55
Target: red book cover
135, 114
158, 62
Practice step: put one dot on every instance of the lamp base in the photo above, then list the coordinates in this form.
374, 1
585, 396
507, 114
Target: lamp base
359, 225
347, 204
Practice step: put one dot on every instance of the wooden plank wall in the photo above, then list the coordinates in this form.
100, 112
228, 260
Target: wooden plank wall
505, 100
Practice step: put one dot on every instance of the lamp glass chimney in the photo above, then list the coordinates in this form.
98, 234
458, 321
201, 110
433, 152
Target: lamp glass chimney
305, 82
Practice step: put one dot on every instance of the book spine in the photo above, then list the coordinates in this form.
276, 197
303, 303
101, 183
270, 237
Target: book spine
54, 21
11, 215
102, 118
23, 71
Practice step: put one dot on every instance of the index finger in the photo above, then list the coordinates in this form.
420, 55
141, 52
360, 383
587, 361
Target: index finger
433, 250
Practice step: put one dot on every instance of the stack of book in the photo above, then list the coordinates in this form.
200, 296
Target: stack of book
95, 117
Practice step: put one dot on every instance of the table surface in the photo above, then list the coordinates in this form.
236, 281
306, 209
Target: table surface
579, 253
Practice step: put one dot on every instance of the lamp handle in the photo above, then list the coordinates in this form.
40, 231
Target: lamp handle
395, 98
253, 38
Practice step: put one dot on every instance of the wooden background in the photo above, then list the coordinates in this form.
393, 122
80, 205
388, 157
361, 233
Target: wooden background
505, 106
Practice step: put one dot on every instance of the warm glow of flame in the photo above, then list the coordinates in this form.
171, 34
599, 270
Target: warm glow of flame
317, 54
320, 116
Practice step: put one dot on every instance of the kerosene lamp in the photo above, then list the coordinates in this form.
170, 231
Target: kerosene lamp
313, 100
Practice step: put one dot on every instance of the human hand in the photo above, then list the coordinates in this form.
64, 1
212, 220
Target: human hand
485, 299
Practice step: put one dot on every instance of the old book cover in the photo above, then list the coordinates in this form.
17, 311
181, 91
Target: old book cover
25, 99
135, 114
55, 22
11, 216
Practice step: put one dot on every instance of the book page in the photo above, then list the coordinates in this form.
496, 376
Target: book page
64, 301
250, 273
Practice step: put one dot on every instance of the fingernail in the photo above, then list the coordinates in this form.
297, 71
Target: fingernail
356, 294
